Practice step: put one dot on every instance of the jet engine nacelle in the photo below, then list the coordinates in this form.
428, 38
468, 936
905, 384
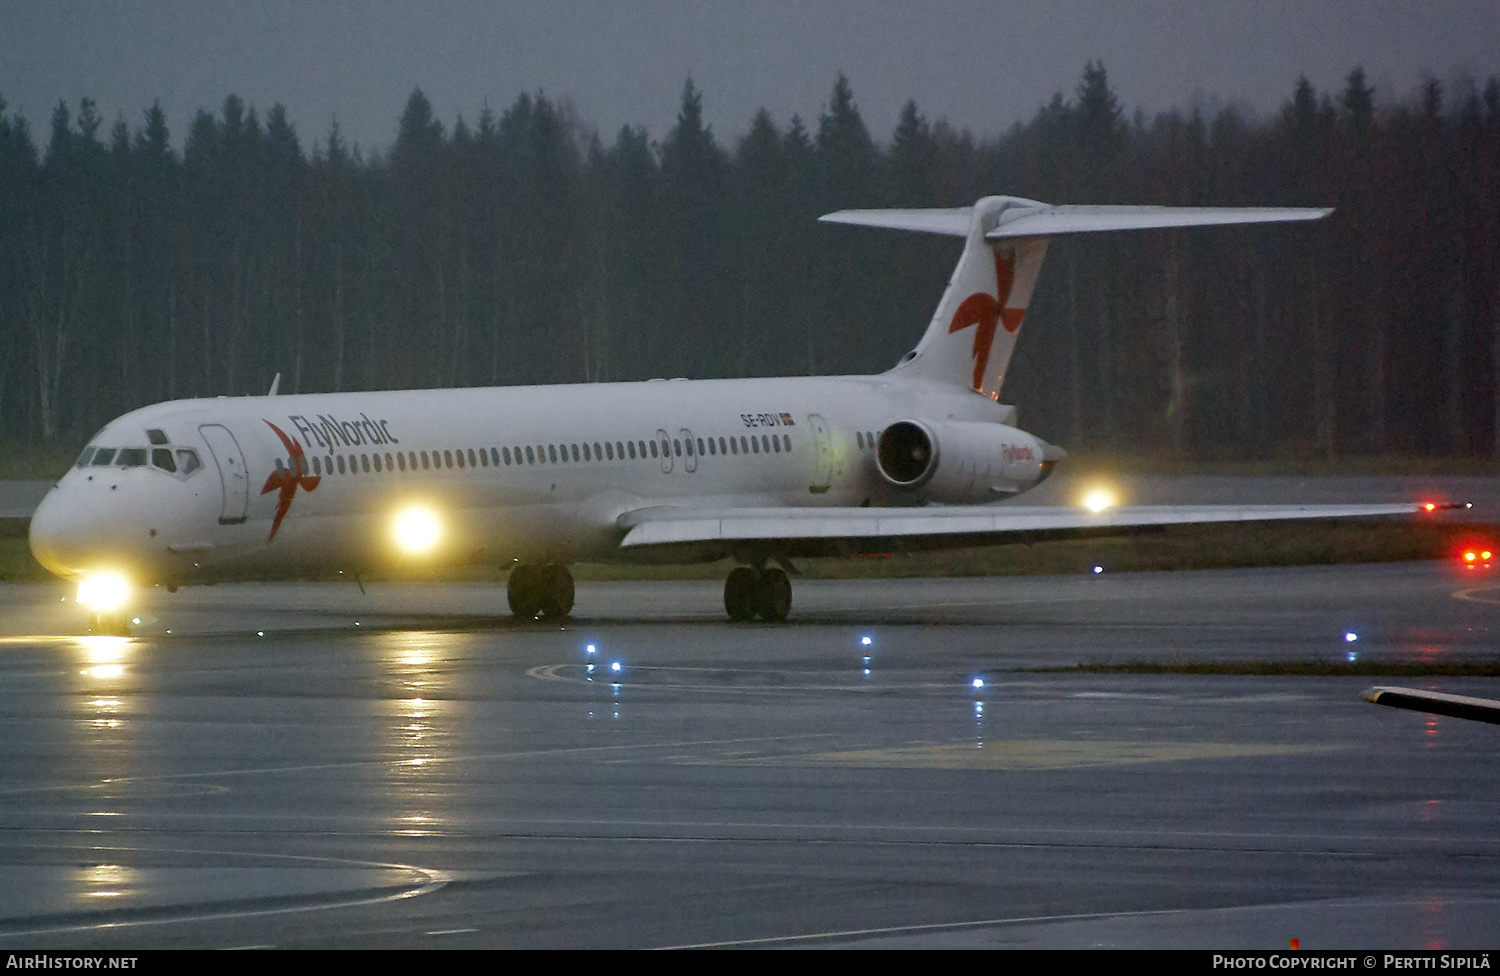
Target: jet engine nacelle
958, 462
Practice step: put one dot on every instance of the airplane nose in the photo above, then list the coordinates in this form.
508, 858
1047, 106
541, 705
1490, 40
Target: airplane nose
57, 541
76, 532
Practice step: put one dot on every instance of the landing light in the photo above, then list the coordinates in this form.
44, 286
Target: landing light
417, 530
1098, 500
103, 593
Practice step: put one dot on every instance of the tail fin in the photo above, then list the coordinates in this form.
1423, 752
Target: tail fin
1005, 242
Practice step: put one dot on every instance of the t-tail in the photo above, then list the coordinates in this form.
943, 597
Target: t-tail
973, 332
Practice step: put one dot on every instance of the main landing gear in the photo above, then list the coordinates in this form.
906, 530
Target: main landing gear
763, 593
545, 591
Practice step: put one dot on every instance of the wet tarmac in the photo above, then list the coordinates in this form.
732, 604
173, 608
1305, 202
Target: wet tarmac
309, 766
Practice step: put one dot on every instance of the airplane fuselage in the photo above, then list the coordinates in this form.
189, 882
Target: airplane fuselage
303, 485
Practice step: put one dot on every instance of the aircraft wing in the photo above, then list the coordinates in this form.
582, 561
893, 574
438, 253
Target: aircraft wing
842, 531
1435, 702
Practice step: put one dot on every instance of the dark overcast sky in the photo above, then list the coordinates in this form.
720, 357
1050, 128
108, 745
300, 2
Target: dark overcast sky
981, 65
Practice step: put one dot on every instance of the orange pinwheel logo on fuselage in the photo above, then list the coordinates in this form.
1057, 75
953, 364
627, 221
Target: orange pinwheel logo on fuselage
985, 311
287, 480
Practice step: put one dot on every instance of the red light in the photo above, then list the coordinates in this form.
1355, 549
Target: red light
1470, 556
1485, 555
1428, 507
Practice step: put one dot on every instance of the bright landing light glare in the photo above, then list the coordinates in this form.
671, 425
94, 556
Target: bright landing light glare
416, 530
1098, 500
103, 593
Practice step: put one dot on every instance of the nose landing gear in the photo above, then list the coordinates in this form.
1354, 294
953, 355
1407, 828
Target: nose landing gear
764, 593
545, 591
110, 623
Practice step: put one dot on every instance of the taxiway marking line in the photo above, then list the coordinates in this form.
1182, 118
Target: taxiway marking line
436, 880
932, 927
424, 761
1024, 754
1472, 594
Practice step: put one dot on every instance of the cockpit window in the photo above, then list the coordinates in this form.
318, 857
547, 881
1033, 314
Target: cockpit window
162, 458
131, 457
187, 460
103, 456
157, 436
85, 457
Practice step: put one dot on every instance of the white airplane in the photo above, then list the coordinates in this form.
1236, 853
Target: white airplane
760, 470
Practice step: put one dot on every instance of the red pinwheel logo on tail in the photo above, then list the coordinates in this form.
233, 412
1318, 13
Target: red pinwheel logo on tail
286, 480
984, 312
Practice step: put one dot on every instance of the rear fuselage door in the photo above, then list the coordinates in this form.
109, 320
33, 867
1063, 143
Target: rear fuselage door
823, 438
230, 460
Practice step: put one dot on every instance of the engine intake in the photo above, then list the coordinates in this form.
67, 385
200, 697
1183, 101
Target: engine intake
907, 454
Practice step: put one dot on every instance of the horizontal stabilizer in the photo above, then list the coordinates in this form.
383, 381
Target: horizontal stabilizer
1052, 221
953, 222
1029, 218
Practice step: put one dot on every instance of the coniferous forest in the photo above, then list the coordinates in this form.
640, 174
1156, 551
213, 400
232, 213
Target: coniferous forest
522, 248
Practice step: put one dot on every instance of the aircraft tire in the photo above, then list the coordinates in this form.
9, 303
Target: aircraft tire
739, 593
112, 624
523, 592
773, 595
556, 591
